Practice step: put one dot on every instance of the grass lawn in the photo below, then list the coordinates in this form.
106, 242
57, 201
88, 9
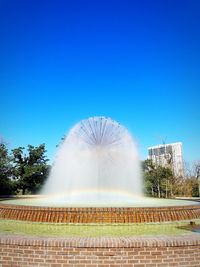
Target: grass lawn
93, 230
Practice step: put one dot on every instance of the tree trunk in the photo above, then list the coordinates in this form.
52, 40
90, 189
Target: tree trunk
171, 192
152, 192
158, 190
23, 191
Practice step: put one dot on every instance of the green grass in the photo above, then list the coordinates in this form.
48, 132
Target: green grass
95, 230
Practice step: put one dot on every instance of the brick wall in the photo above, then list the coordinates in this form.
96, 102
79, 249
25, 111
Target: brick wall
98, 215
102, 252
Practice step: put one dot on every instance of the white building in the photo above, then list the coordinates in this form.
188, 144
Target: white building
168, 155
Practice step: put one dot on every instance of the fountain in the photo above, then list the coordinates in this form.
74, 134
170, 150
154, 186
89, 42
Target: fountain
96, 179
97, 164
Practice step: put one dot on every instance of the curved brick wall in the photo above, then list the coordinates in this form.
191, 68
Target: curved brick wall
104, 252
99, 215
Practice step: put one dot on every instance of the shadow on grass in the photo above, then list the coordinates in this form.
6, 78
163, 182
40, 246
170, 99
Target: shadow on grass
192, 227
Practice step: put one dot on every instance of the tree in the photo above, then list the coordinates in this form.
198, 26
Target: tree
31, 170
148, 170
6, 183
191, 183
197, 175
158, 179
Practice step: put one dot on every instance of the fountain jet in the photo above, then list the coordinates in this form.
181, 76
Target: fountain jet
97, 164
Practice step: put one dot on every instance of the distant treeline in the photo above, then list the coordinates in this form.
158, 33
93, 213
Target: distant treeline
24, 171
160, 181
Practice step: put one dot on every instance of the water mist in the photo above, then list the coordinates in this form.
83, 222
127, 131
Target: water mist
97, 163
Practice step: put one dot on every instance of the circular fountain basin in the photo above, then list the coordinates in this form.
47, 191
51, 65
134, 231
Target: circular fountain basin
111, 200
57, 210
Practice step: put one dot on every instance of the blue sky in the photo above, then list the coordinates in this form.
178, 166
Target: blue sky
135, 61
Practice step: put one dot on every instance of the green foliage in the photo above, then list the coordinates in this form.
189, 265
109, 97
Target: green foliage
189, 187
197, 176
195, 188
6, 183
158, 179
27, 172
31, 170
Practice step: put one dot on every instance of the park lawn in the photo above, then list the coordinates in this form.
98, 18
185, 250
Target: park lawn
93, 230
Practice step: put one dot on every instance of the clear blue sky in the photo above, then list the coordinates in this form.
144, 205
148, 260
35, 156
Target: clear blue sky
135, 61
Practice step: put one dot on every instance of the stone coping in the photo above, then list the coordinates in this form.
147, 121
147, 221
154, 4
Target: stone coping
102, 242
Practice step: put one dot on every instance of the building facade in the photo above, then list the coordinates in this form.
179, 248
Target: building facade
168, 155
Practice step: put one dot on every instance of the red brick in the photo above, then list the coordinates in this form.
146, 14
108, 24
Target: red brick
154, 252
